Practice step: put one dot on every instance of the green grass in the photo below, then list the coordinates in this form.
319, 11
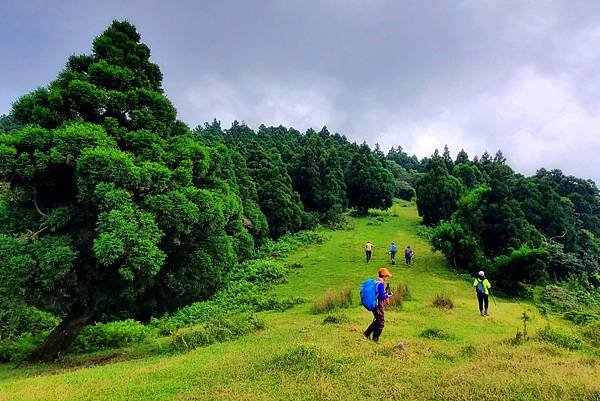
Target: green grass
298, 357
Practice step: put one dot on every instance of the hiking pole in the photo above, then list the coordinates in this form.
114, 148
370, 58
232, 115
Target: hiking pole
493, 298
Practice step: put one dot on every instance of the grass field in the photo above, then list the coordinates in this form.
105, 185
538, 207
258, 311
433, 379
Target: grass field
298, 357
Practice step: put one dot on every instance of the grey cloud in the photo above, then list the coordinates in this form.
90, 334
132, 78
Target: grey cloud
520, 76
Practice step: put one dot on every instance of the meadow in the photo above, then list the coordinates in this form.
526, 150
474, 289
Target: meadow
425, 353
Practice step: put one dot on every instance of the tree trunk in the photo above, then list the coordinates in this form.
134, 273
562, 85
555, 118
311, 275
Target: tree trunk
61, 338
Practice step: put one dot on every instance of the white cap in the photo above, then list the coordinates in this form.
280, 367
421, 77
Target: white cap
481, 273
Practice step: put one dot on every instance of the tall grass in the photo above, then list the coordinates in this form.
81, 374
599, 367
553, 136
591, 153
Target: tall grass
333, 300
442, 301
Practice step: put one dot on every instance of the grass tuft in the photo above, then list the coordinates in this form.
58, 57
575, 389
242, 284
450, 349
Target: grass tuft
443, 301
336, 319
333, 300
435, 333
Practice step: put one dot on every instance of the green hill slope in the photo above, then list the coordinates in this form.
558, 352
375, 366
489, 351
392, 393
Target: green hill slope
298, 357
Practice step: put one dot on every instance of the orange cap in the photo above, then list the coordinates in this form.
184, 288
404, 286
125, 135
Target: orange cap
384, 272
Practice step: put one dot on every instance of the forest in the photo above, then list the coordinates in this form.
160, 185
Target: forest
113, 209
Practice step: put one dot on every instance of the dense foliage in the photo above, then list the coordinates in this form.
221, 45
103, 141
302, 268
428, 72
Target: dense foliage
521, 230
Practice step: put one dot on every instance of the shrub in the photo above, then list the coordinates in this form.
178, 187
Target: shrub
19, 349
259, 271
562, 340
591, 333
336, 319
435, 333
17, 319
443, 301
110, 335
559, 298
401, 294
288, 243
581, 317
333, 300
343, 223
218, 330
246, 296
404, 190
425, 232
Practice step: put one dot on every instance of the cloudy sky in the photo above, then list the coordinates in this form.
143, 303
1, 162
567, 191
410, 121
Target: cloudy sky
520, 76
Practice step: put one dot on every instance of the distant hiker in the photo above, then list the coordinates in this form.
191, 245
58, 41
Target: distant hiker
408, 254
393, 251
368, 250
482, 286
376, 327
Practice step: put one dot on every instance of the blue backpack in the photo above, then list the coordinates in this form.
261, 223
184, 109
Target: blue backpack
368, 294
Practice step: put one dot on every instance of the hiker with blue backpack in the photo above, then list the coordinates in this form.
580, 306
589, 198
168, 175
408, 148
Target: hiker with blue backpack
393, 251
482, 289
374, 297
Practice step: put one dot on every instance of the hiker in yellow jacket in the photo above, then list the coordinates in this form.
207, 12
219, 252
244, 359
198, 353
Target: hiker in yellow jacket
482, 289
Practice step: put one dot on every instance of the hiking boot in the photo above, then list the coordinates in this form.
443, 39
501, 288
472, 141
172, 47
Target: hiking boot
486, 313
481, 313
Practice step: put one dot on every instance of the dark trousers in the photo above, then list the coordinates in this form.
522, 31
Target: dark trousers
408, 258
483, 301
376, 327
392, 256
368, 255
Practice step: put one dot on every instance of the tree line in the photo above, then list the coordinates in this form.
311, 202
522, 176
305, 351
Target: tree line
521, 230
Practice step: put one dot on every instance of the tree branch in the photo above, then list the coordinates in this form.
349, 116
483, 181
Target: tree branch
34, 189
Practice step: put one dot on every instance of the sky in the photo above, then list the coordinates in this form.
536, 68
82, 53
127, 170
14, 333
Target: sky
479, 75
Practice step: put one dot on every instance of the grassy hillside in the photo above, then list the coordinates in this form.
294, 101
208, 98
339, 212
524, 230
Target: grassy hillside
298, 357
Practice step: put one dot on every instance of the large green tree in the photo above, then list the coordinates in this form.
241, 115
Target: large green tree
112, 208
437, 192
369, 184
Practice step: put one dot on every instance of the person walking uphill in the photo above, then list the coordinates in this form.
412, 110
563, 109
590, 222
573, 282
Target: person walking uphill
376, 327
393, 251
368, 250
482, 289
408, 254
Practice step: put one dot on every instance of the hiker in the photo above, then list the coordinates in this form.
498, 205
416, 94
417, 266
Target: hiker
408, 254
393, 251
482, 286
368, 250
376, 327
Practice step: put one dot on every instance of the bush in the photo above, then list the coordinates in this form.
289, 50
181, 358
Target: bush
591, 333
288, 243
404, 190
333, 300
343, 223
568, 297
522, 267
425, 232
401, 294
435, 333
19, 349
110, 335
443, 301
17, 319
562, 340
218, 330
581, 318
336, 319
259, 271
245, 296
